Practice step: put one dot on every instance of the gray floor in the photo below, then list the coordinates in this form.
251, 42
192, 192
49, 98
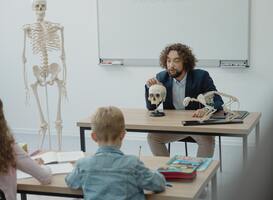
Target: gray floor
232, 156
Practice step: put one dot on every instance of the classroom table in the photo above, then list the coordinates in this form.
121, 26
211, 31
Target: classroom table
180, 190
139, 120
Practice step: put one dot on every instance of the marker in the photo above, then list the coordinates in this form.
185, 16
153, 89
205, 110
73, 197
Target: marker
117, 62
110, 62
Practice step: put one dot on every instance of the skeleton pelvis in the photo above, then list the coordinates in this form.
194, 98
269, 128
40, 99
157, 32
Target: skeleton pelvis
46, 74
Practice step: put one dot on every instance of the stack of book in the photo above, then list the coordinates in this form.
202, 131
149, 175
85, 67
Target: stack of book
182, 167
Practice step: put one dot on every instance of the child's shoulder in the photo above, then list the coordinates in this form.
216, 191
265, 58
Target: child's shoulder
133, 160
85, 161
131, 157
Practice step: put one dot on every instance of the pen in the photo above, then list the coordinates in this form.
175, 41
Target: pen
139, 152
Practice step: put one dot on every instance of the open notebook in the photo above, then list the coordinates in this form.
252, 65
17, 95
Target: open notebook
58, 162
59, 157
60, 168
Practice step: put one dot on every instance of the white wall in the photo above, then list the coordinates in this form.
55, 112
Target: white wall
90, 85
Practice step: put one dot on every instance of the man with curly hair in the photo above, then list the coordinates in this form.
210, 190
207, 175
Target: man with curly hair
181, 80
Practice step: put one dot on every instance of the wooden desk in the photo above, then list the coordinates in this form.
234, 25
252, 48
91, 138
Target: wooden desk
139, 120
178, 191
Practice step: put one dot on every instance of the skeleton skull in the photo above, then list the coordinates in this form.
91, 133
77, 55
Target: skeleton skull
157, 94
39, 6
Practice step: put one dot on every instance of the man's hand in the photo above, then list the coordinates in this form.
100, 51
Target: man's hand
152, 81
199, 113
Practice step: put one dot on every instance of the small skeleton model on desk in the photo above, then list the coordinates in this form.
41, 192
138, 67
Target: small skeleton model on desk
157, 95
207, 100
46, 37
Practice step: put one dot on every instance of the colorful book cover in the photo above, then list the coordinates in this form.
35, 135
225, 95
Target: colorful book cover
181, 167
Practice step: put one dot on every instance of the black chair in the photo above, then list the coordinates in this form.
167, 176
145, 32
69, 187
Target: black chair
185, 140
191, 140
2, 195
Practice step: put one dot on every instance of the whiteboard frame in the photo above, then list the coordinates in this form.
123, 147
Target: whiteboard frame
102, 61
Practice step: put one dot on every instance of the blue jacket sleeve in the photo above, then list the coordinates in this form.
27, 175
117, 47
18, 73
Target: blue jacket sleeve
148, 179
74, 179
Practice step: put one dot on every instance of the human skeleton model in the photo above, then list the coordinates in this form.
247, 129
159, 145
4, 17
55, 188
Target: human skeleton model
45, 37
207, 100
157, 95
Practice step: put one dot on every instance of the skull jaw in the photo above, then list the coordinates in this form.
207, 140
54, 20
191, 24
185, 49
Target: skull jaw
40, 15
154, 100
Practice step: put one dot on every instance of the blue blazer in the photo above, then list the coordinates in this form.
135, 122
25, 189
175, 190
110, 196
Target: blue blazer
198, 82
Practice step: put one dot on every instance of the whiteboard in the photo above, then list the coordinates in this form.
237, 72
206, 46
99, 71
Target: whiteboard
137, 30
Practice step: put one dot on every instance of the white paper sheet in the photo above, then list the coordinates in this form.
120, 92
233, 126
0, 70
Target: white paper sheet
60, 168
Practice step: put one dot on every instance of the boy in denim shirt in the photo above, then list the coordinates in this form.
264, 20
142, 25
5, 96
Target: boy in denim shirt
110, 174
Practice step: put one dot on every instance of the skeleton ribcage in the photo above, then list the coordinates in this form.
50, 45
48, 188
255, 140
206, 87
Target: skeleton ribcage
44, 38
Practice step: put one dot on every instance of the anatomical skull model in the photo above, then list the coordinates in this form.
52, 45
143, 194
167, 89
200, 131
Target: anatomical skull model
46, 37
157, 94
207, 100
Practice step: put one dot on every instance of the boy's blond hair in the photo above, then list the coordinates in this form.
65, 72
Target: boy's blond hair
108, 123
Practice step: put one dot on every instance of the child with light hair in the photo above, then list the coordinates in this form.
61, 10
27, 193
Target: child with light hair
110, 174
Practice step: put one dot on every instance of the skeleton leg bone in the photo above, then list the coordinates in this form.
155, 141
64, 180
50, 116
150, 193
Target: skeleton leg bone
209, 111
59, 121
44, 125
48, 118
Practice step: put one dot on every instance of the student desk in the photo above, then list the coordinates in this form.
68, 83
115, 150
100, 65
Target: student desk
183, 190
139, 120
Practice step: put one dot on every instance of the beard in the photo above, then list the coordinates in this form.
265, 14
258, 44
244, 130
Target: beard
175, 74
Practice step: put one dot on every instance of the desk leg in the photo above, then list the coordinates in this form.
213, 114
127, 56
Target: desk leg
23, 196
220, 154
257, 133
214, 187
82, 138
244, 149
